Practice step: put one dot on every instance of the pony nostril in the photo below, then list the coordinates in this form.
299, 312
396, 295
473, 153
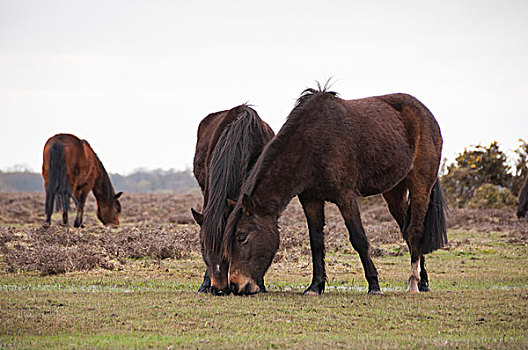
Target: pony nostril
246, 289
219, 292
234, 287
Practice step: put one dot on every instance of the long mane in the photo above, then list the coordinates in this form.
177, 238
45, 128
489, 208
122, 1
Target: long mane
106, 187
231, 161
274, 147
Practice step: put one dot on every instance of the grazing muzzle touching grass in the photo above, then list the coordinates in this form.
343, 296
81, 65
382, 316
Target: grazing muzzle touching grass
253, 245
219, 280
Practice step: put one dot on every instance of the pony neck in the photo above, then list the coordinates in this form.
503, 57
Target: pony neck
278, 184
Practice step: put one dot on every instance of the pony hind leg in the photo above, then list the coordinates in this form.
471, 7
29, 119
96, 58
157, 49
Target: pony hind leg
413, 233
350, 212
314, 211
50, 198
423, 284
397, 202
65, 210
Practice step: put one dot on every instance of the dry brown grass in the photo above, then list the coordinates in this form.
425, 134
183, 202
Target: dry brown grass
160, 226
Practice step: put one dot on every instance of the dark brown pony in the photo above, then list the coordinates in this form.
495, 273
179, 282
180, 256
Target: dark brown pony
229, 143
523, 200
337, 150
72, 169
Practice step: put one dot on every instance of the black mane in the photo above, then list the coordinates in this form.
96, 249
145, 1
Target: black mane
231, 160
310, 92
106, 184
103, 182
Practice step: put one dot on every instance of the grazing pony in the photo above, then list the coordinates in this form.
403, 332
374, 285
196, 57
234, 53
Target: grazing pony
229, 143
337, 150
523, 200
72, 169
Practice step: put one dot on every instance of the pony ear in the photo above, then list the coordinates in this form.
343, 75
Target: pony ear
248, 205
231, 203
118, 195
197, 216
230, 206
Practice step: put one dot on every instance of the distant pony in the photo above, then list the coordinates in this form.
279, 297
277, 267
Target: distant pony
523, 200
229, 143
72, 169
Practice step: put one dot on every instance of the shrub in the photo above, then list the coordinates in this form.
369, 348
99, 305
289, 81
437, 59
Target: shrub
489, 196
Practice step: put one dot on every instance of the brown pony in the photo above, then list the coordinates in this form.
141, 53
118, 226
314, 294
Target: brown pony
229, 143
523, 200
72, 169
337, 150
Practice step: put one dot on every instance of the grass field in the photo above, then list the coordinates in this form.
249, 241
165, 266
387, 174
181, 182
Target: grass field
137, 296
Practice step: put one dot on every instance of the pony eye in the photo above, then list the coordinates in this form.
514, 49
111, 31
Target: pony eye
242, 238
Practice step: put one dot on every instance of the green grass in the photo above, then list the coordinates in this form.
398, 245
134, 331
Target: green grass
478, 299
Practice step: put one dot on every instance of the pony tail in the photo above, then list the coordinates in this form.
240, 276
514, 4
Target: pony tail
435, 229
57, 182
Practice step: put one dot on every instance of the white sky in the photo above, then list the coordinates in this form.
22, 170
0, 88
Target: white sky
135, 78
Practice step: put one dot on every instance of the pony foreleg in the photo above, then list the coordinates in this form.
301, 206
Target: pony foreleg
206, 284
81, 199
350, 212
314, 211
65, 216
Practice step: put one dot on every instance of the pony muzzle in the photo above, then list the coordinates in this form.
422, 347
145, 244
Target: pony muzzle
113, 224
219, 287
243, 286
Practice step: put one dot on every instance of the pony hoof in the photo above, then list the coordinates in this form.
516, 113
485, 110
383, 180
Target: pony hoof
311, 292
375, 292
423, 289
413, 285
314, 290
203, 289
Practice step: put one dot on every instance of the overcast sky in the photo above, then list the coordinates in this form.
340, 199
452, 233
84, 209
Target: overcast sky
135, 78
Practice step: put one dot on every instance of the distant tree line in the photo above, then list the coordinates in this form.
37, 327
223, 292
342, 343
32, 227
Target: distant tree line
21, 181
139, 181
155, 181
